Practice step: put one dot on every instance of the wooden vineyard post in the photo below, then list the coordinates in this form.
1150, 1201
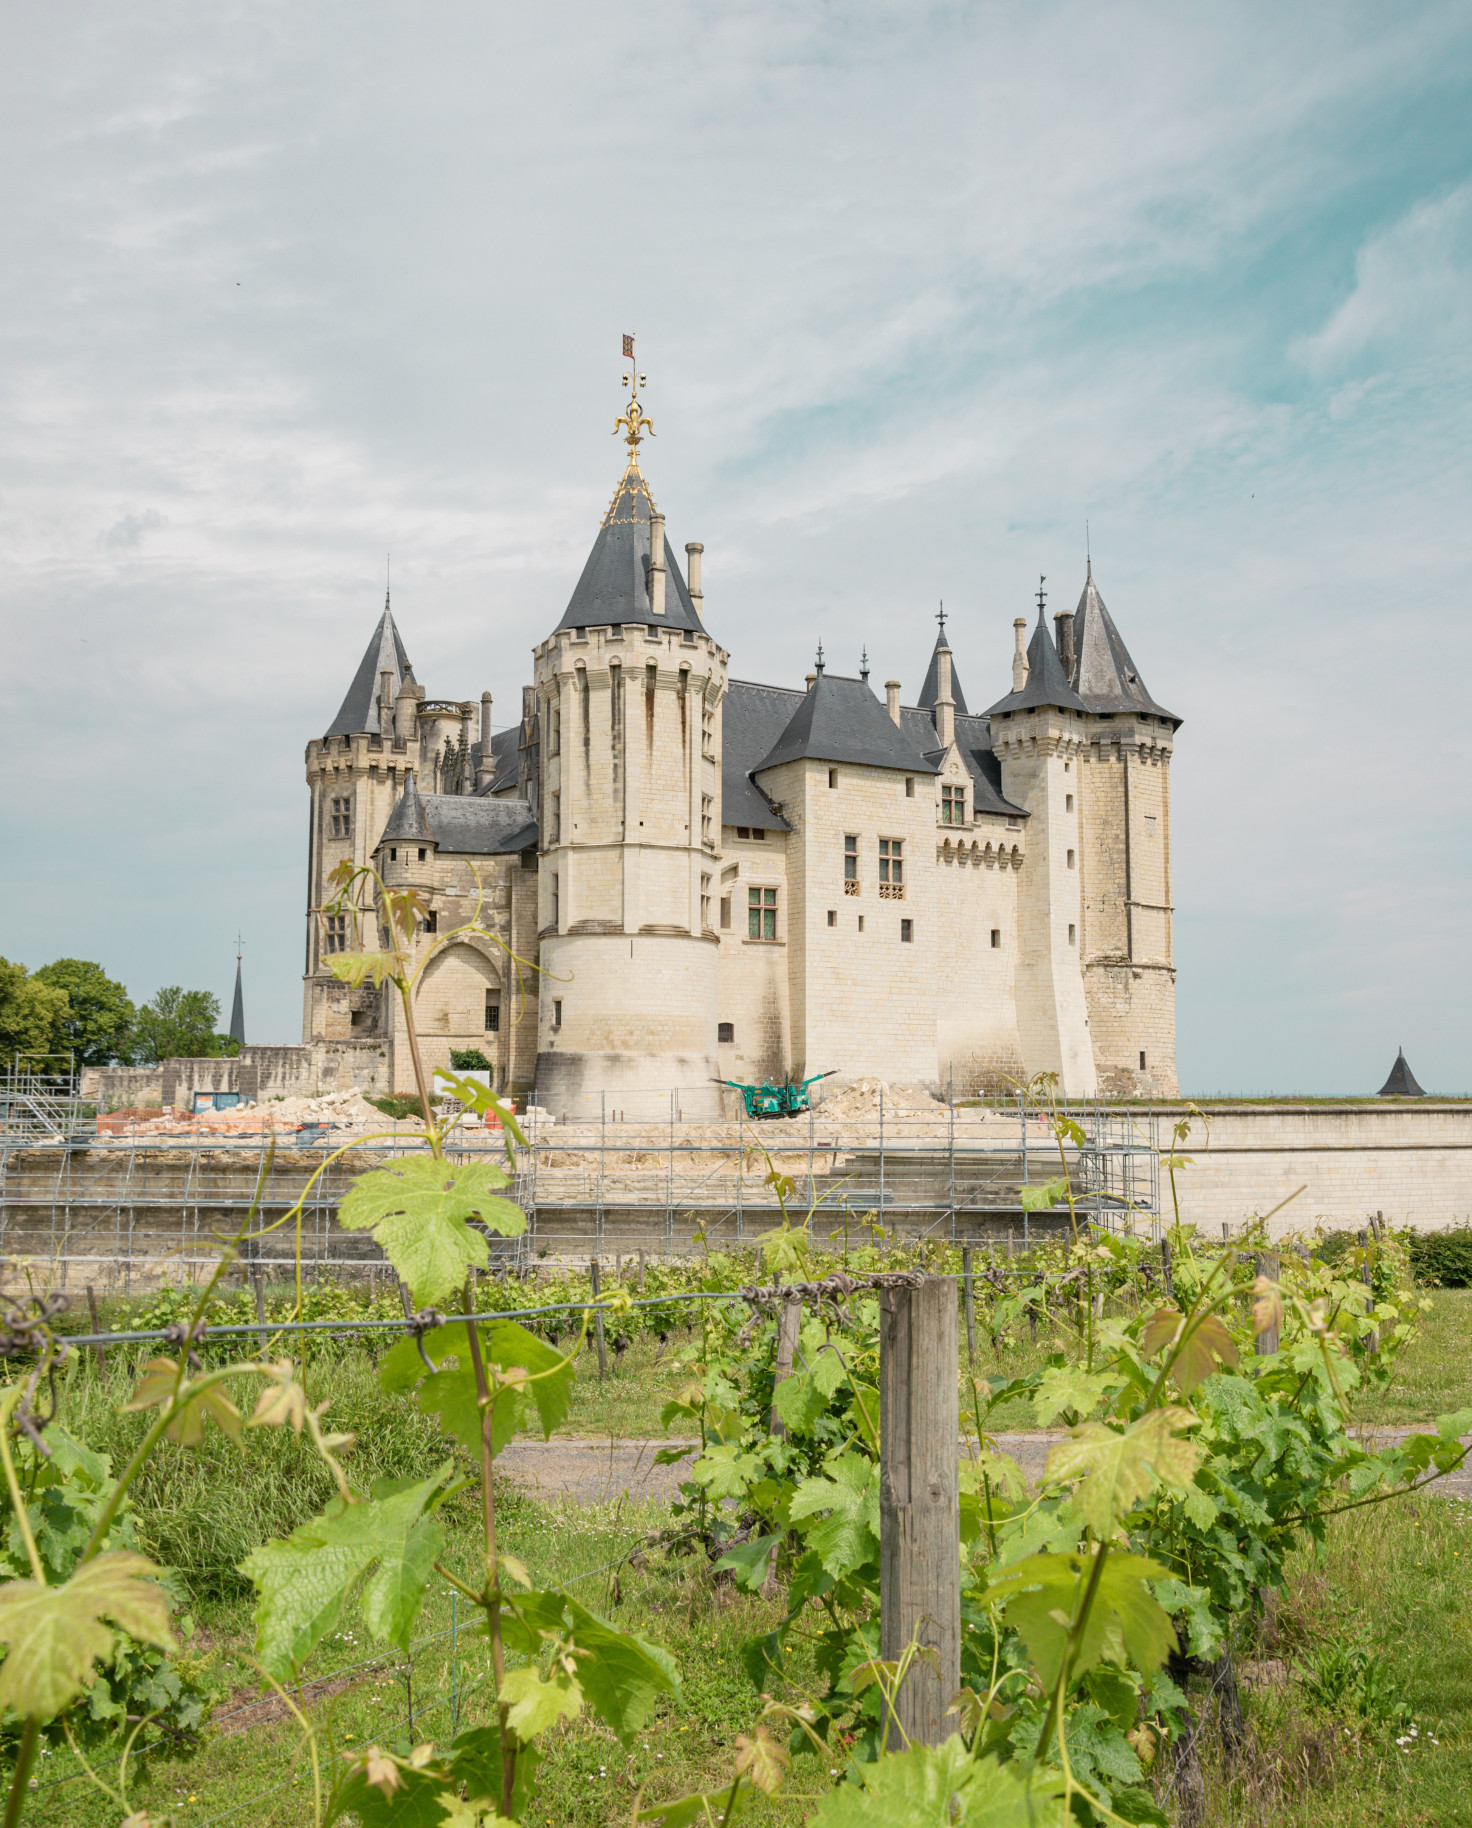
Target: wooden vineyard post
1268, 1340
594, 1273
789, 1326
919, 1506
1367, 1276
101, 1351
970, 1305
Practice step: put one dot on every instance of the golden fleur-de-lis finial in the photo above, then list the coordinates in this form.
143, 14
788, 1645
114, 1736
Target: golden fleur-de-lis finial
632, 421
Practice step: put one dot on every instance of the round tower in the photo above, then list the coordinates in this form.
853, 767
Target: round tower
628, 701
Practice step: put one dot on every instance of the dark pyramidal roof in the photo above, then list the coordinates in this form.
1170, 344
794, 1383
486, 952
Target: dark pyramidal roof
840, 720
237, 1010
932, 681
1402, 1081
469, 824
614, 586
385, 652
1047, 683
1105, 676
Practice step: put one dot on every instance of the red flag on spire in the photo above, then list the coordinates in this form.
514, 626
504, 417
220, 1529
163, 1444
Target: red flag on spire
628, 349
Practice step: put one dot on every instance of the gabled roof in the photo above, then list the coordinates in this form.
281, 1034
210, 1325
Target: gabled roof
840, 720
505, 759
752, 719
1402, 1081
464, 824
1105, 676
614, 586
932, 681
384, 653
1047, 683
973, 739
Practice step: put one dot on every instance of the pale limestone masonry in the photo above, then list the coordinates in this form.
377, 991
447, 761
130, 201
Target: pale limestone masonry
704, 878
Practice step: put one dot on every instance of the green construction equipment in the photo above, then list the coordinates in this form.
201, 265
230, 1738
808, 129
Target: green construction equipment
769, 1100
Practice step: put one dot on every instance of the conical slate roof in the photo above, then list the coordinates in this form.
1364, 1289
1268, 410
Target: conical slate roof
407, 822
1104, 675
1047, 683
932, 681
237, 1011
614, 586
1402, 1081
384, 653
840, 720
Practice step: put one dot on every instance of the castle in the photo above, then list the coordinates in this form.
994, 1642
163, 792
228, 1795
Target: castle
722, 880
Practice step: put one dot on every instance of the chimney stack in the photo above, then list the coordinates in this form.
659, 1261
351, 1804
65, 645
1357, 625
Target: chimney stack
1019, 654
693, 550
386, 704
486, 772
526, 773
892, 700
656, 562
466, 782
406, 711
945, 705
1063, 639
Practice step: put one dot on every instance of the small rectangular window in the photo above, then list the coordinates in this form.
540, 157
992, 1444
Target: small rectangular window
493, 1015
725, 1033
1014, 825
743, 831
393, 855
832, 777
707, 817
1070, 860
953, 805
1149, 824
557, 1012
342, 818
909, 786
1068, 802
615, 631
421, 853
861, 923
891, 869
725, 913
907, 932
337, 932
555, 821
556, 900
1142, 1059
1072, 934
432, 921
759, 836
761, 914
1068, 767
996, 939
705, 904
833, 917
851, 858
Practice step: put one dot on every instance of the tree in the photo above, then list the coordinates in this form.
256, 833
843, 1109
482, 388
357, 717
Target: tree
99, 1024
180, 1024
31, 1016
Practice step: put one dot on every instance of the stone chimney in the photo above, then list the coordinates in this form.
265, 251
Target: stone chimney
945, 705
1063, 640
466, 782
656, 562
1019, 654
406, 711
693, 550
892, 699
526, 757
487, 768
386, 704
809, 680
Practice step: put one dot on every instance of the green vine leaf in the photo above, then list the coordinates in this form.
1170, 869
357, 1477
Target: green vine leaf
625, 1677
304, 1580
940, 1786
749, 1562
353, 967
799, 1402
1044, 1197
449, 1391
56, 1635
1042, 1597
845, 1504
156, 1387
1205, 1341
417, 1208
533, 1705
1070, 1387
1117, 1470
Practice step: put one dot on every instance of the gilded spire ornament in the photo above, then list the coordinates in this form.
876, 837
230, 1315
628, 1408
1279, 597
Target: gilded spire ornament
633, 422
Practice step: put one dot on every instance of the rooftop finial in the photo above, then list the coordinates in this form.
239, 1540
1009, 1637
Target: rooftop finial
941, 618
1042, 594
820, 656
388, 577
864, 666
1088, 555
632, 419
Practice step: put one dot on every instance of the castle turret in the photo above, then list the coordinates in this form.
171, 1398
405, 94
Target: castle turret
1037, 735
626, 702
1126, 941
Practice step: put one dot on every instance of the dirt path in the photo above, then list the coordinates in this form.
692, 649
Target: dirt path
592, 1471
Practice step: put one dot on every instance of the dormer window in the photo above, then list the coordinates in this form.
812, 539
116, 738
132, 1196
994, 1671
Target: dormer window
953, 805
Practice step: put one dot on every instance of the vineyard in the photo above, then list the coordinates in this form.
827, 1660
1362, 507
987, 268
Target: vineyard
261, 1563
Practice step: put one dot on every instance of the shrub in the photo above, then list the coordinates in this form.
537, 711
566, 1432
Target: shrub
469, 1060
399, 1105
1442, 1259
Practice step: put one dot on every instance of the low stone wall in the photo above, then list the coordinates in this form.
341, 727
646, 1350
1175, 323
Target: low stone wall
256, 1073
1412, 1163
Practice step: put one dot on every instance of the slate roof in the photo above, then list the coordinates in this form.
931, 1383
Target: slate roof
1047, 683
753, 717
1105, 676
506, 758
932, 682
237, 1010
385, 652
614, 586
840, 720
973, 739
464, 824
1402, 1081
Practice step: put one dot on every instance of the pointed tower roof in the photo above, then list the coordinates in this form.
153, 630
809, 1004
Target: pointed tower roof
840, 720
383, 654
928, 690
408, 823
1047, 683
237, 1009
1105, 676
1402, 1081
614, 586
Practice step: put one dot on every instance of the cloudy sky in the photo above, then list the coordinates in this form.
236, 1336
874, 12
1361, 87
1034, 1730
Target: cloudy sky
919, 289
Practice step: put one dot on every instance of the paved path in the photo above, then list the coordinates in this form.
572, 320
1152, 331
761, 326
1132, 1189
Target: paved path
592, 1471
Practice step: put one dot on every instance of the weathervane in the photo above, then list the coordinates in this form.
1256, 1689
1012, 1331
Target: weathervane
820, 656
941, 618
632, 420
1042, 594
864, 666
